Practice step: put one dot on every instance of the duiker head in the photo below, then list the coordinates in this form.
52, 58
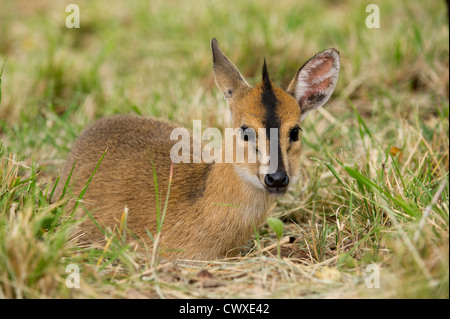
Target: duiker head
269, 107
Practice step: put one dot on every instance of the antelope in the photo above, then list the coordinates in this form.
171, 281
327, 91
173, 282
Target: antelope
212, 208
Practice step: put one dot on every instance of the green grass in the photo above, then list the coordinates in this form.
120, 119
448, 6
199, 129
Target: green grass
375, 164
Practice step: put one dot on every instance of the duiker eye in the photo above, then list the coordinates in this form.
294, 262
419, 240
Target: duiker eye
246, 132
293, 134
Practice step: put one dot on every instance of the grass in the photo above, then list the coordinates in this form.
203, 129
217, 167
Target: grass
375, 165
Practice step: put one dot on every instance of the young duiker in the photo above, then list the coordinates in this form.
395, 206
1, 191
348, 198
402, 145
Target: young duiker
212, 208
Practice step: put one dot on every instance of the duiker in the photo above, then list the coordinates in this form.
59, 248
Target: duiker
212, 208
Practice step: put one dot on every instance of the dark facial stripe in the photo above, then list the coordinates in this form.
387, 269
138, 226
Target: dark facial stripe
270, 102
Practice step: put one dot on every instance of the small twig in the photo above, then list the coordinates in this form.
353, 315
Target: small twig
283, 241
428, 210
314, 242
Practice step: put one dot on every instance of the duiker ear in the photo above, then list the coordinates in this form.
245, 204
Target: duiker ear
315, 81
228, 78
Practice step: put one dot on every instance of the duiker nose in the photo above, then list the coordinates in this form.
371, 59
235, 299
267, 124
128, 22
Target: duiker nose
277, 180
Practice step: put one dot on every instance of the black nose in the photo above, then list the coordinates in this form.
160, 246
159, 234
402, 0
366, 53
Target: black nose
277, 180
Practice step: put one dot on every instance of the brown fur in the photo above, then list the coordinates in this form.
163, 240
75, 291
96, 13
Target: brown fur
212, 208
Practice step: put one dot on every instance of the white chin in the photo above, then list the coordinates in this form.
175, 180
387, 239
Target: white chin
249, 178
